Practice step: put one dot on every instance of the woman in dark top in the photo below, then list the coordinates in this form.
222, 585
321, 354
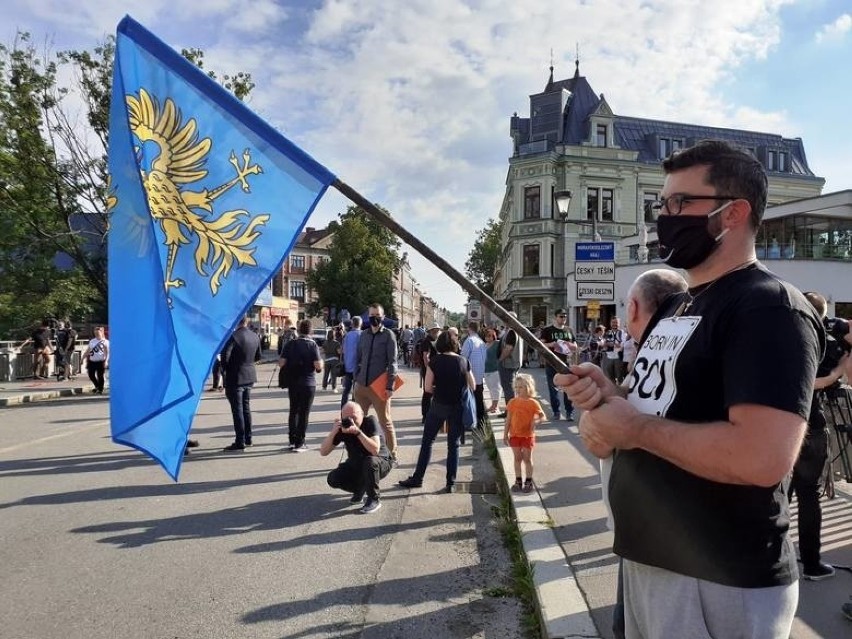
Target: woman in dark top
301, 358
447, 375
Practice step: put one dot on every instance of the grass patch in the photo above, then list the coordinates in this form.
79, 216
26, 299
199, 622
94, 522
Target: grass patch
498, 592
522, 584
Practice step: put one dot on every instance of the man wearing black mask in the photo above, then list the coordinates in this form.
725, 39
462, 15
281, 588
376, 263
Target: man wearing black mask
377, 356
708, 424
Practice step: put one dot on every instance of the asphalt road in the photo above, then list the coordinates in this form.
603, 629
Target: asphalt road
98, 542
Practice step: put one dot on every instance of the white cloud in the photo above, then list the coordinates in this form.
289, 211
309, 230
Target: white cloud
835, 30
410, 102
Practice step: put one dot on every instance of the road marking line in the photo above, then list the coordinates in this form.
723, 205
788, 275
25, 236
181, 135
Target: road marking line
76, 431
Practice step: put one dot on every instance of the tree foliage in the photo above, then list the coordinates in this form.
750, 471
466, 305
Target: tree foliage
363, 260
484, 257
240, 84
39, 196
53, 180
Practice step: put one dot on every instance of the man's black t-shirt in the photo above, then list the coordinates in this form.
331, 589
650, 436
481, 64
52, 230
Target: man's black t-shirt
427, 350
552, 333
41, 338
748, 338
612, 338
355, 450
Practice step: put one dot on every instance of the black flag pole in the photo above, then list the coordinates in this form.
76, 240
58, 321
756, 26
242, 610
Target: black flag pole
472, 289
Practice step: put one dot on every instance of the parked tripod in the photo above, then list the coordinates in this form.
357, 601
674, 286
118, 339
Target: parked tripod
836, 405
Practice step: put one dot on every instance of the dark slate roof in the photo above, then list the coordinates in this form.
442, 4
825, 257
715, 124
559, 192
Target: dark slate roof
311, 236
642, 135
583, 103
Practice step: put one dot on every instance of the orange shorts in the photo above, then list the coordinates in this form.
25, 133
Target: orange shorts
522, 442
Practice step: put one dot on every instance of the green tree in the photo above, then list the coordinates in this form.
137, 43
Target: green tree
34, 194
484, 257
363, 260
240, 84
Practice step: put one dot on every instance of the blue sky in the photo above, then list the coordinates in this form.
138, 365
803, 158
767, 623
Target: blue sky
409, 103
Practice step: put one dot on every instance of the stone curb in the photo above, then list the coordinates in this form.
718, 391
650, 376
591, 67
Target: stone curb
34, 396
562, 608
28, 398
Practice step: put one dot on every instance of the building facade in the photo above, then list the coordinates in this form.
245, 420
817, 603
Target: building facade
611, 165
290, 294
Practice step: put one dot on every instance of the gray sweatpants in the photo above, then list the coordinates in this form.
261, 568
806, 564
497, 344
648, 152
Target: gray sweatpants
661, 605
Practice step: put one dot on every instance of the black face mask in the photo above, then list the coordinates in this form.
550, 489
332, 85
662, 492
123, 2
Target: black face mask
687, 239
375, 321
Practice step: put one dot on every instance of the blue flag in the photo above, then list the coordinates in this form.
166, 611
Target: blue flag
205, 202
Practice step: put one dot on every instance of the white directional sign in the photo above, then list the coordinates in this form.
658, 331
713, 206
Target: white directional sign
474, 310
596, 291
594, 271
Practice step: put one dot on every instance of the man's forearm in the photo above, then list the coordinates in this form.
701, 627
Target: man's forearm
328, 443
370, 444
719, 451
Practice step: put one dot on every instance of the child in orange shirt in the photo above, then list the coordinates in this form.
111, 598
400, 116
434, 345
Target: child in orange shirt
523, 413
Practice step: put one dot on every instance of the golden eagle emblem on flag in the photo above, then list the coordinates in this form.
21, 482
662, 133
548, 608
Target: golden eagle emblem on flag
170, 156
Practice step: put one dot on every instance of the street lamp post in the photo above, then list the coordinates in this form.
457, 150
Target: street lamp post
563, 201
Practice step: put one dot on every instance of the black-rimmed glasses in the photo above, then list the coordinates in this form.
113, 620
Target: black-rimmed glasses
673, 204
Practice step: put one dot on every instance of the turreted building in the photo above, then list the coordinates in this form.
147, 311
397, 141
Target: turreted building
574, 141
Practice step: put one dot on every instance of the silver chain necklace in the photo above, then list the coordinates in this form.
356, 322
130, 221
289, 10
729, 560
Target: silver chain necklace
687, 304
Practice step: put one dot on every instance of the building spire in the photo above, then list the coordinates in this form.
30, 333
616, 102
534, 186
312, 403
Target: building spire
550, 80
577, 62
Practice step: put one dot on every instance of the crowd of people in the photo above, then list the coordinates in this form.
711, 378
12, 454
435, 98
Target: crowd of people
705, 408
58, 340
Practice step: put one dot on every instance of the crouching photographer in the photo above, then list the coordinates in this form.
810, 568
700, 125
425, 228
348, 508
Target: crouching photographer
367, 457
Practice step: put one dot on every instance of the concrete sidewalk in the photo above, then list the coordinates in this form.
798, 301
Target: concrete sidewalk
570, 547
563, 523
33, 390
26, 391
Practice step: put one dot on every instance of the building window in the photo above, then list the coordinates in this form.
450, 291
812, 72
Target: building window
278, 284
532, 202
297, 263
531, 260
599, 204
776, 161
601, 134
669, 146
648, 199
297, 291
592, 203
606, 205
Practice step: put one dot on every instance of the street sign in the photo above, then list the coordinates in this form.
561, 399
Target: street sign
594, 271
474, 310
596, 291
594, 305
594, 252
593, 313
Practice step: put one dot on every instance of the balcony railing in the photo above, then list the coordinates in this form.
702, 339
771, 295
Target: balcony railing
801, 252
